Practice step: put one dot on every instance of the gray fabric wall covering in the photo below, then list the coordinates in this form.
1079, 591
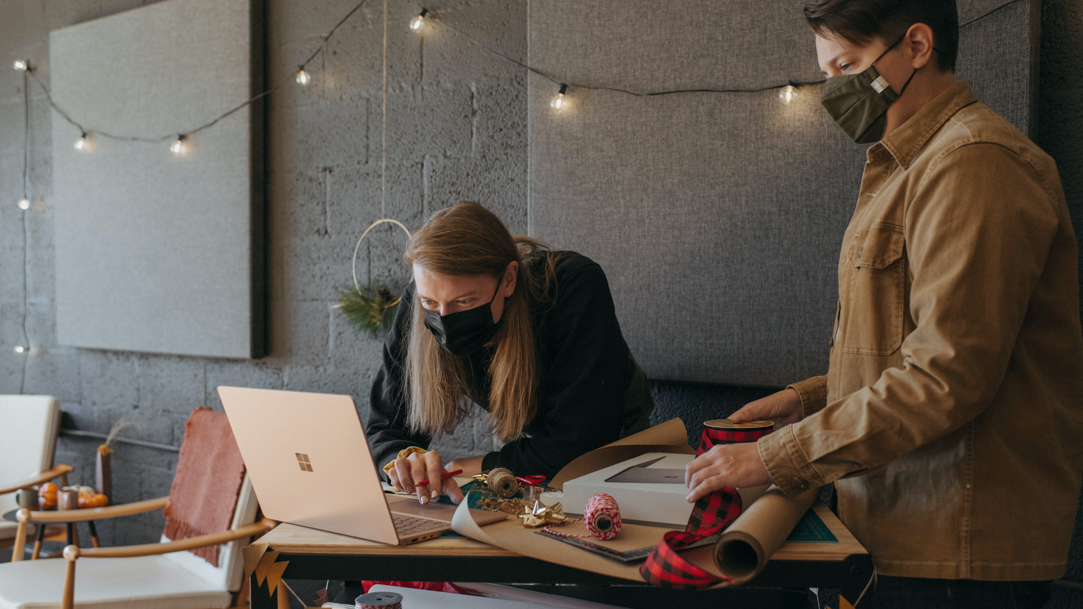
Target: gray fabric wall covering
155, 251
717, 217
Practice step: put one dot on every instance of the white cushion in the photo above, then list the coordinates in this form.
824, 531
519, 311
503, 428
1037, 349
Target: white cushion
29, 424
147, 582
8, 529
230, 570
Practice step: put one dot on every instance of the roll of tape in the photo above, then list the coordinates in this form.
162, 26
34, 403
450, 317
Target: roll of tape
551, 498
379, 600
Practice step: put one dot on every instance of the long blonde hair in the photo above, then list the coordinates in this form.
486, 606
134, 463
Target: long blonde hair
467, 239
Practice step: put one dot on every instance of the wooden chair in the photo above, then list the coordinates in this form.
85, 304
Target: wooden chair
30, 424
161, 575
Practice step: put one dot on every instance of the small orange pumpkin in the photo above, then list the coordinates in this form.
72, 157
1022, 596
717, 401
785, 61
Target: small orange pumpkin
47, 496
93, 501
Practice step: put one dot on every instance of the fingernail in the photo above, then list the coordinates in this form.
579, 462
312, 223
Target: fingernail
435, 493
424, 500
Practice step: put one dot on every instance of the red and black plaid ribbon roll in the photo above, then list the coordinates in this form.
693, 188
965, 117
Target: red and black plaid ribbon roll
665, 566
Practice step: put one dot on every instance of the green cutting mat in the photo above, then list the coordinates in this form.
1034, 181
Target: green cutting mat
811, 529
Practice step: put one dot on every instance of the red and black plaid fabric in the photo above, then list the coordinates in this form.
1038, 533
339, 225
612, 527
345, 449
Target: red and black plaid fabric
712, 436
711, 514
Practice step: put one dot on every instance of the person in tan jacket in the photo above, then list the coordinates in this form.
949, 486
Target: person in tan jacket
951, 416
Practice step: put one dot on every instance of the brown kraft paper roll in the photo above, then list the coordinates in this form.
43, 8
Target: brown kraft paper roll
761, 529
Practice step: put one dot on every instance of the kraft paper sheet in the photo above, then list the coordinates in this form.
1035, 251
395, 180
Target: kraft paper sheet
768, 518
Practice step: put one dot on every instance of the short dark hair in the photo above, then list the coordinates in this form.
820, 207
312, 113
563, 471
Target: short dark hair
859, 21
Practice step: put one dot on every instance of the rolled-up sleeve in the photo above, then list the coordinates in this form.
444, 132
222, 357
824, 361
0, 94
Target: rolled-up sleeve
813, 394
977, 233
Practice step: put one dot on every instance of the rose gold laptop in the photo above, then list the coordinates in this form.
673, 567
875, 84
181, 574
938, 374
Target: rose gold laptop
310, 465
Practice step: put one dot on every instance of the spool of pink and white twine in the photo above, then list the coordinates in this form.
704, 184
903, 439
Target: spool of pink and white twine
601, 517
378, 600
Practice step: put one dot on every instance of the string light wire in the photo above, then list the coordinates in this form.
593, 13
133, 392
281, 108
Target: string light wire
173, 135
433, 19
565, 85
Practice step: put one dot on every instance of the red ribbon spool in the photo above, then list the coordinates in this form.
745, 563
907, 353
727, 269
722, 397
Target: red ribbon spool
665, 566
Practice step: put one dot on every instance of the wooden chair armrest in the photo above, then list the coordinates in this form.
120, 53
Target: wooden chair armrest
102, 513
180, 545
56, 472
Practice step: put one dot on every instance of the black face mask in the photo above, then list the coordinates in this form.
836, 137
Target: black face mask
464, 332
859, 102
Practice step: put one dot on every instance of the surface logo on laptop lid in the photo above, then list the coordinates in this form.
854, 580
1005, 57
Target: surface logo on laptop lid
304, 462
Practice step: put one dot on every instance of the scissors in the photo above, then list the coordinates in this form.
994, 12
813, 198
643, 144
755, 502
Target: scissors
534, 480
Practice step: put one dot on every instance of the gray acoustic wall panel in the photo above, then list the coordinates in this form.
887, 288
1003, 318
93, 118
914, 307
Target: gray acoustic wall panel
717, 217
159, 252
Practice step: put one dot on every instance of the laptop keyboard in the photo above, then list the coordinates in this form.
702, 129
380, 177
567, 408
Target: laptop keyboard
406, 526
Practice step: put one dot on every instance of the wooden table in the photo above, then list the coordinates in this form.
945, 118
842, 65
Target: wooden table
319, 555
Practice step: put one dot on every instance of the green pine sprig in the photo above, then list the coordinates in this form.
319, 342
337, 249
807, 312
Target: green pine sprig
369, 309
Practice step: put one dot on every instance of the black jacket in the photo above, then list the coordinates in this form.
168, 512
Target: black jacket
585, 369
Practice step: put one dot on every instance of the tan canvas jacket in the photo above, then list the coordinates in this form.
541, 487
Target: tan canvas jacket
951, 416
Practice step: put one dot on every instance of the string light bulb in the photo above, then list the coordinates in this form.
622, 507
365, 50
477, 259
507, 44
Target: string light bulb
303, 78
419, 21
80, 144
24, 204
20, 349
178, 146
559, 102
21, 65
787, 94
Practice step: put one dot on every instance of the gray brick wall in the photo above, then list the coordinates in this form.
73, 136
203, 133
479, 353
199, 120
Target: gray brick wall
456, 129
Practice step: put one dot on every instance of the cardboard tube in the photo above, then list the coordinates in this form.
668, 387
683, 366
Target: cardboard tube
745, 547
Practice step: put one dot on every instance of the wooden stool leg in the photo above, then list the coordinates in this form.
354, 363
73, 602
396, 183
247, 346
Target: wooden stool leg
19, 551
71, 554
93, 534
283, 596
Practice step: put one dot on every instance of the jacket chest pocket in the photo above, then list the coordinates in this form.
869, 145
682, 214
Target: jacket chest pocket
873, 317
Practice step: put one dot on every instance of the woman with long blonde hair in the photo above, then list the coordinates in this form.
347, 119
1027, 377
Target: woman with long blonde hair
504, 323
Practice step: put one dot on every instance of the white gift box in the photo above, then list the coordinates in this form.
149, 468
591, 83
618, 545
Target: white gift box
648, 489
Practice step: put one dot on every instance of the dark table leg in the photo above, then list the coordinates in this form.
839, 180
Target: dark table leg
93, 534
71, 532
38, 539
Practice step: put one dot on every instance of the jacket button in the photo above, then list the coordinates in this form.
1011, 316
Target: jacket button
802, 485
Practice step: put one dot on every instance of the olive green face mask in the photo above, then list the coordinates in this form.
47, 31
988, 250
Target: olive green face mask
859, 102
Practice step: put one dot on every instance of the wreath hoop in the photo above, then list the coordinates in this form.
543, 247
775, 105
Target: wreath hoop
357, 248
